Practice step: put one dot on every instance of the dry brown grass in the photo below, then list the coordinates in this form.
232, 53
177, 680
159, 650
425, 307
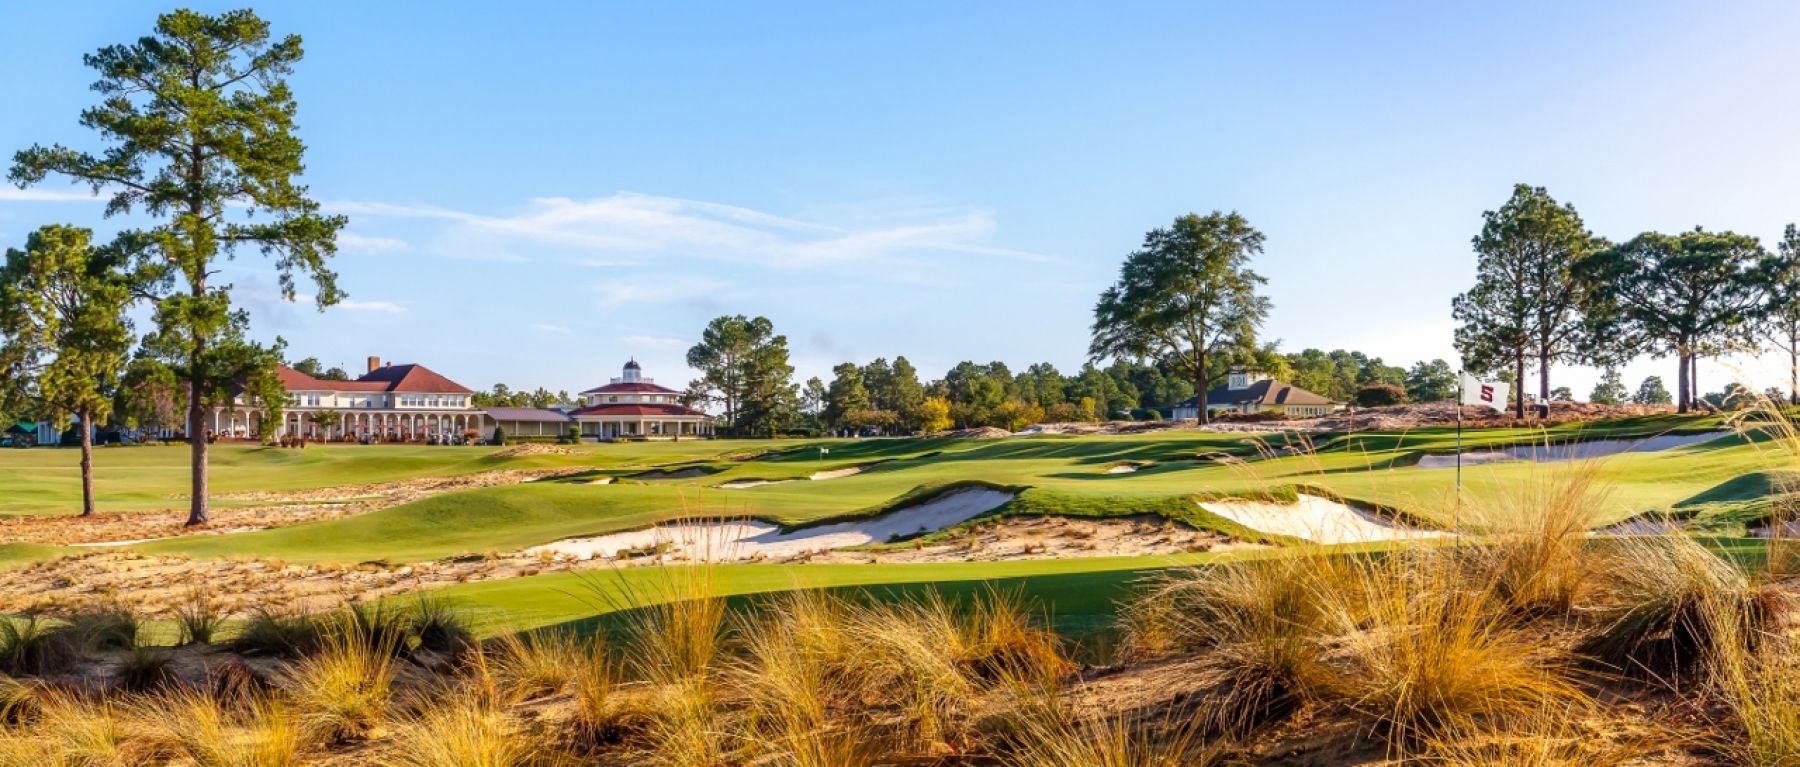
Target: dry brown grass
205, 732
536, 664
1534, 536
1430, 652
1263, 621
1662, 605
465, 733
343, 690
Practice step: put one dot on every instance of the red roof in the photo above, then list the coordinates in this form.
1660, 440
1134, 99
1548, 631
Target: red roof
392, 378
628, 408
414, 378
625, 387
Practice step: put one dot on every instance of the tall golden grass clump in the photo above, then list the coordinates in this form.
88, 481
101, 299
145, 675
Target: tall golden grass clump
803, 682
464, 733
914, 651
1431, 652
204, 732
1263, 621
343, 690
1544, 739
1667, 605
1534, 536
675, 637
598, 707
1753, 671
536, 664
82, 733
1003, 636
1109, 742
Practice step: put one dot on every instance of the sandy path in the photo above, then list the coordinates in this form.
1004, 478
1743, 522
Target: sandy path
1313, 518
757, 540
1572, 451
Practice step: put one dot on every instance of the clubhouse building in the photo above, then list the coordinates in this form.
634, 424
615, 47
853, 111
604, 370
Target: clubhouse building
412, 403
389, 403
1253, 392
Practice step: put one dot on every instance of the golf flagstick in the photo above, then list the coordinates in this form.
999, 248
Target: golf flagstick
1456, 508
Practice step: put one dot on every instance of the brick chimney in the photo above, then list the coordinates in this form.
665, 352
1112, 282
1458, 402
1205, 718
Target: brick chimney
374, 364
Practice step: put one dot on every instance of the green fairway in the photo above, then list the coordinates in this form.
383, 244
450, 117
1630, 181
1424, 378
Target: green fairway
155, 477
1061, 475
1722, 483
1076, 591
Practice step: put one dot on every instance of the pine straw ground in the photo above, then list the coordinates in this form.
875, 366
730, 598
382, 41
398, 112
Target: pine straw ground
1534, 646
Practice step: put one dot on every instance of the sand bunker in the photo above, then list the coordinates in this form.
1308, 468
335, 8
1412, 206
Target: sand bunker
1573, 451
754, 539
740, 484
1313, 518
692, 473
1123, 468
817, 476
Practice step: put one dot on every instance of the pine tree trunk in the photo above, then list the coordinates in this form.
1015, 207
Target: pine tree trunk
1544, 379
1519, 387
1694, 395
1681, 383
87, 463
1200, 387
198, 490
1793, 373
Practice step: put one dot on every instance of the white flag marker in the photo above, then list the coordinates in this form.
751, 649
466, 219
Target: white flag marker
1484, 393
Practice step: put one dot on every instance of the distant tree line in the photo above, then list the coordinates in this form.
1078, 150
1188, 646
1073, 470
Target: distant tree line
502, 395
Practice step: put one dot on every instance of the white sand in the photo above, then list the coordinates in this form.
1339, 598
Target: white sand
1123, 468
1573, 451
836, 473
752, 539
741, 484
600, 481
1315, 519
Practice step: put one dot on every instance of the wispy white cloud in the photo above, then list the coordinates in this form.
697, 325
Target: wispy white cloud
657, 290
379, 307
555, 330
348, 240
652, 342
622, 227
10, 193
270, 299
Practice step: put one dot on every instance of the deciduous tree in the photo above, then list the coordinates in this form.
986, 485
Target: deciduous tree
934, 415
64, 334
200, 122
1187, 296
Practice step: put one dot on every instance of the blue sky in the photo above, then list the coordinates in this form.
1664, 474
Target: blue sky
537, 192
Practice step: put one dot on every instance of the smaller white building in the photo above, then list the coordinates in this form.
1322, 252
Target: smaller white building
634, 407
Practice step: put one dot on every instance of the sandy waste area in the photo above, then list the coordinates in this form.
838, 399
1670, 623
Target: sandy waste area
1313, 518
1571, 451
733, 541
